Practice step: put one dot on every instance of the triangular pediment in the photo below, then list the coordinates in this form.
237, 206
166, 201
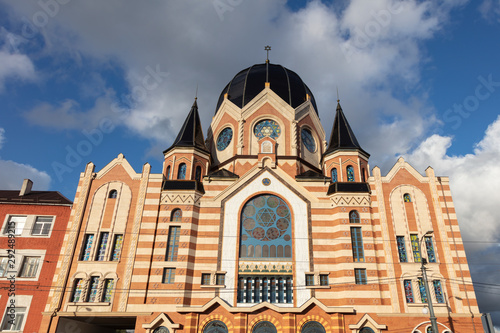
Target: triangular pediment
119, 161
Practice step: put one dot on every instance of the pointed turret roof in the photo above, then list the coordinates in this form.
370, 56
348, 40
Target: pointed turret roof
342, 136
191, 133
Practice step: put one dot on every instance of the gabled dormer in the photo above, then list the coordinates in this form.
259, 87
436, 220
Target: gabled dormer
344, 160
187, 159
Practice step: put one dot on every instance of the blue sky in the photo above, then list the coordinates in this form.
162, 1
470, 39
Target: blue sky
85, 81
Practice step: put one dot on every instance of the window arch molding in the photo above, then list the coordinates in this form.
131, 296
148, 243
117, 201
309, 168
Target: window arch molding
176, 215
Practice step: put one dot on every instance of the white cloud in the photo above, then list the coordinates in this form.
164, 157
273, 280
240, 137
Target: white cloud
12, 175
15, 66
2, 137
490, 10
189, 41
474, 179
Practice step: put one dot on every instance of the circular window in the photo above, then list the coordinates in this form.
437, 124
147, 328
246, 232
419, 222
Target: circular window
268, 128
308, 140
224, 138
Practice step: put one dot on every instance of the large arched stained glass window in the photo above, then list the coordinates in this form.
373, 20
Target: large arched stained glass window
264, 327
215, 326
313, 327
266, 228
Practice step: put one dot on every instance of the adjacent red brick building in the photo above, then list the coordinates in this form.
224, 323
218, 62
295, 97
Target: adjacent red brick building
33, 225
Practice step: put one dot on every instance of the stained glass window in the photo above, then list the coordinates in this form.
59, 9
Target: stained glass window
173, 243
353, 216
224, 138
415, 246
408, 292
429, 329
334, 175
168, 275
308, 140
438, 291
267, 128
103, 245
87, 247
366, 330
401, 248
181, 173
423, 291
360, 275
407, 197
430, 249
108, 289
266, 230
113, 194
94, 286
357, 244
117, 248
350, 174
176, 215
77, 291
168, 173
197, 173
215, 326
313, 327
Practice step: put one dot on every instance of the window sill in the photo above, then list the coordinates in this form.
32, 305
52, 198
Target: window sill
318, 287
434, 304
89, 303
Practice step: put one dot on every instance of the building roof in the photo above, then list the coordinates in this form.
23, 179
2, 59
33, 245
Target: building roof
342, 136
249, 82
191, 133
34, 197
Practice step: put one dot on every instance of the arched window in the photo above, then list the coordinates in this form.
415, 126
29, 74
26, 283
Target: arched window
197, 174
181, 173
363, 177
266, 229
353, 216
215, 326
264, 327
176, 215
350, 173
429, 329
366, 330
161, 329
407, 197
313, 327
168, 173
113, 194
334, 175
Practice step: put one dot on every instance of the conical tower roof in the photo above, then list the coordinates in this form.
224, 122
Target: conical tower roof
342, 136
191, 133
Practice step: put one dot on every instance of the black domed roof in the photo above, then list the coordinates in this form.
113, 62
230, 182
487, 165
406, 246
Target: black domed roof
251, 81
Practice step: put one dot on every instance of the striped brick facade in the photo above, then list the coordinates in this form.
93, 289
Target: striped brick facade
170, 268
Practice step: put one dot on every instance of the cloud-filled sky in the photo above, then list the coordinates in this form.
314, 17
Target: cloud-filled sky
83, 81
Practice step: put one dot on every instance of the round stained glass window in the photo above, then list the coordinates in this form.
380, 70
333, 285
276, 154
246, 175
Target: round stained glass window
268, 128
224, 138
308, 140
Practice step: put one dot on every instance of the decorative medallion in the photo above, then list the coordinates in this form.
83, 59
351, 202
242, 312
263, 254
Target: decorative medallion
266, 181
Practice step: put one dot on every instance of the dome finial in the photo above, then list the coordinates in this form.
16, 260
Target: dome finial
267, 48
